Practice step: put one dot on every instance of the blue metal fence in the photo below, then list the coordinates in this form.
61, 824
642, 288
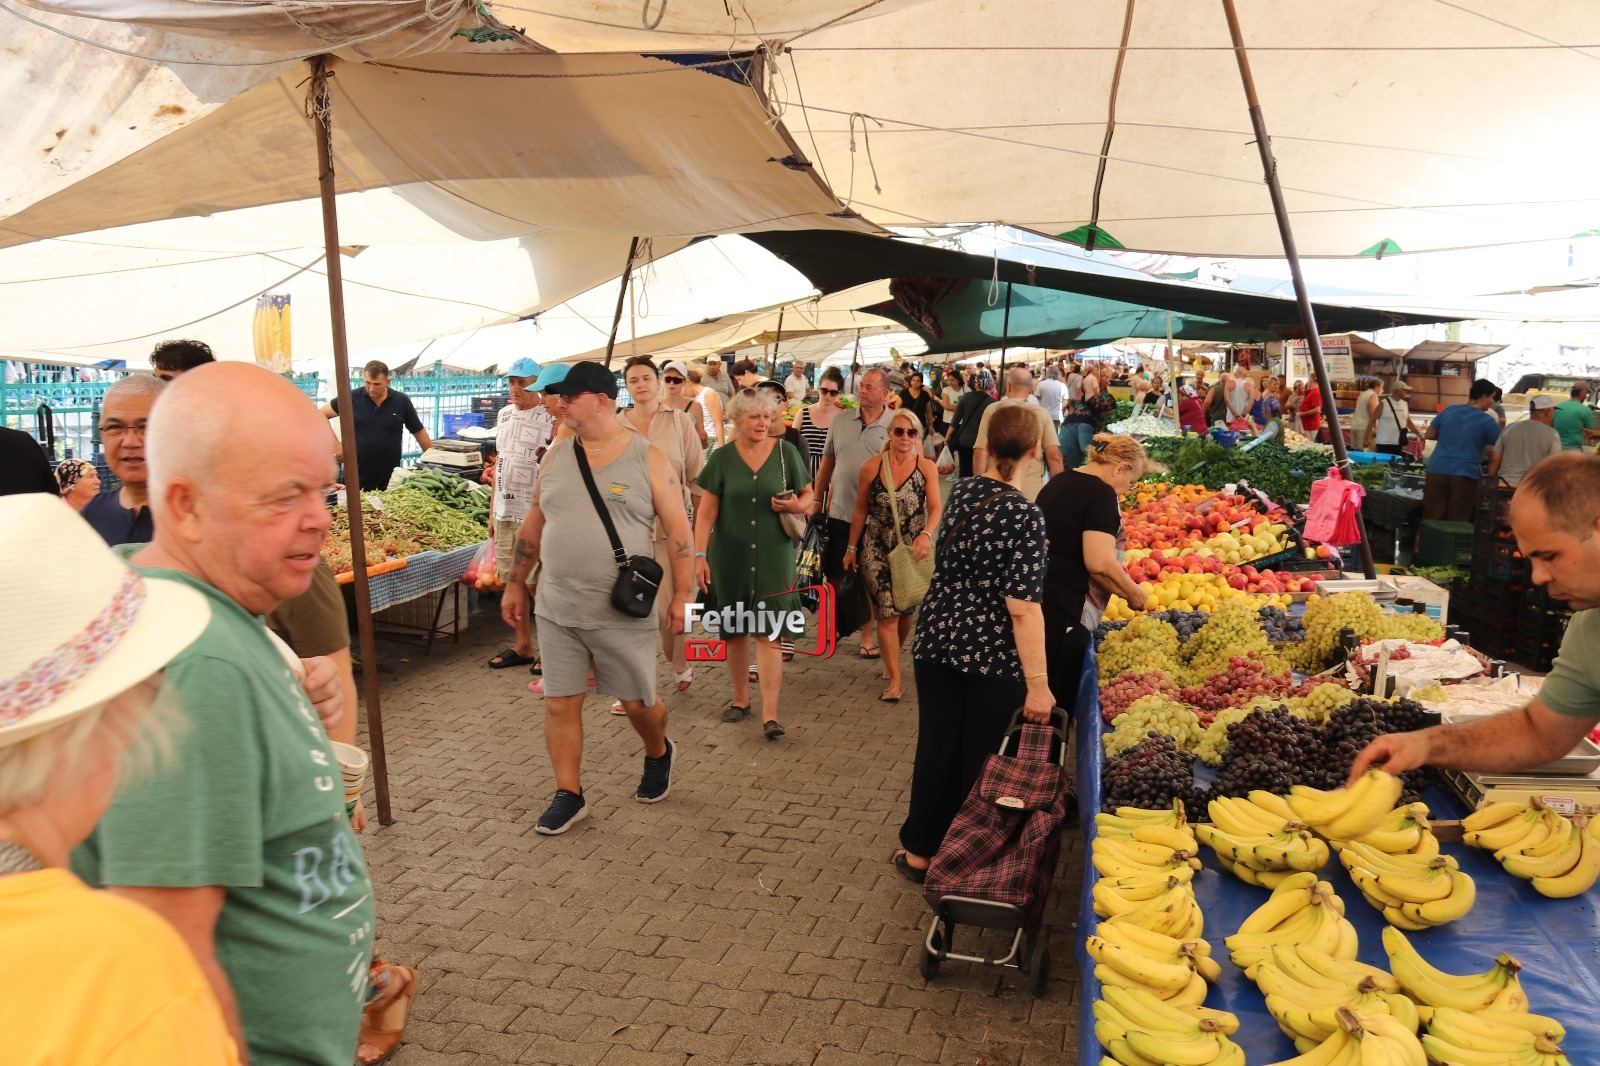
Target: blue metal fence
70, 410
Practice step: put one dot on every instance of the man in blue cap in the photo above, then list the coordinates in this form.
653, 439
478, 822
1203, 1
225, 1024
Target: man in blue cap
522, 435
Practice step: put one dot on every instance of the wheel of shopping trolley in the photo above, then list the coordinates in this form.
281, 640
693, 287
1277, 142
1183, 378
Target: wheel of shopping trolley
1039, 968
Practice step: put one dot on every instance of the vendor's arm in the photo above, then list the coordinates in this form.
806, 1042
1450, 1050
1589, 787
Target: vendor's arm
1100, 559
1498, 744
193, 912
667, 493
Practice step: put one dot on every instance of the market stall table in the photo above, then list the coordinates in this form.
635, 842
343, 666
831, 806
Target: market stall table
429, 573
1557, 941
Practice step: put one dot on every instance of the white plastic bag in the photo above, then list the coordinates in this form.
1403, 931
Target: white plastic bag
946, 463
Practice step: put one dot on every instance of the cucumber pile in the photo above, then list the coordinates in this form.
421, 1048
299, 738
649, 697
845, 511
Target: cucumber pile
455, 492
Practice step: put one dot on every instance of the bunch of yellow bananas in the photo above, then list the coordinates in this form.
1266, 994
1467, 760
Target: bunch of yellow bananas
1405, 830
1300, 910
1305, 988
1258, 839
1146, 860
1364, 1038
1498, 989
1137, 1027
1559, 856
1413, 890
1129, 956
1501, 1038
1347, 813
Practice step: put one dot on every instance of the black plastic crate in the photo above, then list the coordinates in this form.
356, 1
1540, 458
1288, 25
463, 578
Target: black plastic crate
1499, 560
1445, 543
1494, 503
1536, 653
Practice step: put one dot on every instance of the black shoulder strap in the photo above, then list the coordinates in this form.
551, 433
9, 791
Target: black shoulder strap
599, 504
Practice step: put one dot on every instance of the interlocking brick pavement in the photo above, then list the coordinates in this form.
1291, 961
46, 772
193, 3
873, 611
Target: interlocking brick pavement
751, 918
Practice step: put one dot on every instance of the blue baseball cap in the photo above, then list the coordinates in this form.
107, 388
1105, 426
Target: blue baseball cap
522, 368
553, 374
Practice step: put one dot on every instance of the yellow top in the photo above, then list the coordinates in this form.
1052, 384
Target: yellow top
89, 979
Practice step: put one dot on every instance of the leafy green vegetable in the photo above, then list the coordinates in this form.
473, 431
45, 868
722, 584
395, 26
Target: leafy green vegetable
1280, 473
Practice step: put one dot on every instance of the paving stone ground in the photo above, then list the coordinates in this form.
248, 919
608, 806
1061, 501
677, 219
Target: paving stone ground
751, 918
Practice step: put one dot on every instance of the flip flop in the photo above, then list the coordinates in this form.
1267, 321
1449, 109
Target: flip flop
509, 658
887, 698
383, 1022
871, 653
686, 679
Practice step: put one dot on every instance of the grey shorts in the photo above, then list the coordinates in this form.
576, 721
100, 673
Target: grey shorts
624, 661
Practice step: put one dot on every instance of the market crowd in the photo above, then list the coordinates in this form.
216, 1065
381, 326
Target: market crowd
180, 876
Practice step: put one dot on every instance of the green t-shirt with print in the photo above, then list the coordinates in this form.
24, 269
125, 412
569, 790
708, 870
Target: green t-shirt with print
252, 800
1573, 687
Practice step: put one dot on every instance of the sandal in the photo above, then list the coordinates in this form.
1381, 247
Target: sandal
915, 874
537, 667
871, 653
736, 713
686, 679
510, 657
383, 1021
890, 697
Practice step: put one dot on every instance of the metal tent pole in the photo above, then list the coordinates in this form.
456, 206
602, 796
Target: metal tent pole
322, 120
777, 342
1308, 318
1005, 342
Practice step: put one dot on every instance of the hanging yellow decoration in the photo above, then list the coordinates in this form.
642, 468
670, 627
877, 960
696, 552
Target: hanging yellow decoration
271, 332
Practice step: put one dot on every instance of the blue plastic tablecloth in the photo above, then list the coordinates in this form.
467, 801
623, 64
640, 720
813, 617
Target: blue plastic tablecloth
1557, 941
424, 573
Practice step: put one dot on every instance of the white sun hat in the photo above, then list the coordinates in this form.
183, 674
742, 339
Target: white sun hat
80, 625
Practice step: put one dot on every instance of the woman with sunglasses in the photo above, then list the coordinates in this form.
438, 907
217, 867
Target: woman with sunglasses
743, 557
903, 470
710, 403
675, 397
815, 418
677, 434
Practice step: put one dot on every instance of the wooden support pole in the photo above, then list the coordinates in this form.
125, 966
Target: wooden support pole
322, 120
1308, 317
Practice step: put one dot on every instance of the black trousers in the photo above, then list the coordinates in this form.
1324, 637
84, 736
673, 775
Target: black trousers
1066, 642
963, 461
960, 720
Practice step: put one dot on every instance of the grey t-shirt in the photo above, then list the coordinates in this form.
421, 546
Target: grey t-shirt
577, 567
1573, 687
1524, 444
851, 442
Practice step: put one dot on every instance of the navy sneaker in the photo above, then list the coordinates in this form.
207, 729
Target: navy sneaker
657, 779
565, 811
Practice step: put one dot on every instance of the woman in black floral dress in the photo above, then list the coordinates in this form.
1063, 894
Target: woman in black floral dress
872, 532
980, 650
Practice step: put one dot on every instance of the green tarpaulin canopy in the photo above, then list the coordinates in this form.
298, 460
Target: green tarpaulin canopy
956, 301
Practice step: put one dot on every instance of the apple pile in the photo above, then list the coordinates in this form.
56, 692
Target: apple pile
1159, 567
1192, 518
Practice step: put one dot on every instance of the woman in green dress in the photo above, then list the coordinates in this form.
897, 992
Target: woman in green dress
743, 558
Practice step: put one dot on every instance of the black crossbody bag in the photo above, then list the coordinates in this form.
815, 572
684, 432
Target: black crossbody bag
638, 576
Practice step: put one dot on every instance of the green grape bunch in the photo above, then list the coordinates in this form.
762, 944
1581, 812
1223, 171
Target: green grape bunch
1149, 714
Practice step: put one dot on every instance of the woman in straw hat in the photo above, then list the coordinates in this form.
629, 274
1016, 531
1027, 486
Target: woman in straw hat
88, 977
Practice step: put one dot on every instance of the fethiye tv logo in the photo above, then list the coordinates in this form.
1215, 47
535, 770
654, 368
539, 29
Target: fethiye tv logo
739, 620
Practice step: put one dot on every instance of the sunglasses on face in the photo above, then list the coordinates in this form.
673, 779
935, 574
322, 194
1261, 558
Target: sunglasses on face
671, 380
828, 392
904, 431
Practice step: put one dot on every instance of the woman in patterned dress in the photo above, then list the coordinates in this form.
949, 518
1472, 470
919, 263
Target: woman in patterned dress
980, 650
915, 484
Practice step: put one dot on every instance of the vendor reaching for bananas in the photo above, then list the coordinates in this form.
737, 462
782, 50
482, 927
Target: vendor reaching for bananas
1555, 515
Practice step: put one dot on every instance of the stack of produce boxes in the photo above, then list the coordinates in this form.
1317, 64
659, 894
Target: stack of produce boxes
1506, 614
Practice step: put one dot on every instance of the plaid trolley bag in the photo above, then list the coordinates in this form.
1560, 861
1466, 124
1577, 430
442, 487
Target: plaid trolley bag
996, 864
